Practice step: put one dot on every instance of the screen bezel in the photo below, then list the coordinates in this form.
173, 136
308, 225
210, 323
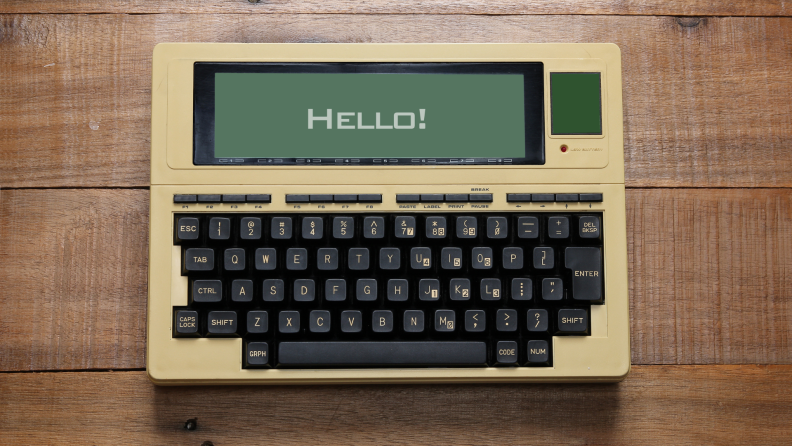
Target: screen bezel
204, 108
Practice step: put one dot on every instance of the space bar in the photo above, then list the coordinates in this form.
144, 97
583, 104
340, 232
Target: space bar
382, 353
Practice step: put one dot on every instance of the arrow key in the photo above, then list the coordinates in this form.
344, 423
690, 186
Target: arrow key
475, 321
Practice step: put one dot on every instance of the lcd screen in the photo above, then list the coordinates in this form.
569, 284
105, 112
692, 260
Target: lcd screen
318, 114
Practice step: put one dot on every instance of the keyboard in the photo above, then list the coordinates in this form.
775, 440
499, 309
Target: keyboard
339, 270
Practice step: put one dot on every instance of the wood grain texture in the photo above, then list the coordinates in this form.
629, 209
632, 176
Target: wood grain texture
627, 7
706, 101
680, 405
74, 279
709, 277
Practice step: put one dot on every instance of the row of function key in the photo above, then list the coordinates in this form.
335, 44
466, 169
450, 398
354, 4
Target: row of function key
403, 227
377, 198
322, 323
520, 289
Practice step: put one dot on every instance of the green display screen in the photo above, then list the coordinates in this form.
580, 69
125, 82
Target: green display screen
575, 104
316, 115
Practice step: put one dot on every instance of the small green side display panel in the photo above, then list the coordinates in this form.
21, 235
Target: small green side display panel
575, 104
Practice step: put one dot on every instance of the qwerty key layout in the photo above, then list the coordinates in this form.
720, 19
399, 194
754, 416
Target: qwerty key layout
390, 290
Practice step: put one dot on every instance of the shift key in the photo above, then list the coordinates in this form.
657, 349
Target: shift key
573, 320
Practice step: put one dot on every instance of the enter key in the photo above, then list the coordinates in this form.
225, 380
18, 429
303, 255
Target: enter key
586, 266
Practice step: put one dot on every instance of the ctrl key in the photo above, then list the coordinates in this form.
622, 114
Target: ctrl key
257, 355
185, 323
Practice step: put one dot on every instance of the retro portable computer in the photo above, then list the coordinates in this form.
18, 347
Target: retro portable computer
356, 213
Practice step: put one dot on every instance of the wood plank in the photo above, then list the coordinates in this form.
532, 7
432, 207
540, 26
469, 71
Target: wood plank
709, 277
747, 404
706, 101
627, 7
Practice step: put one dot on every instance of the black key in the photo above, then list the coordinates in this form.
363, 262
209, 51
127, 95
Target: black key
475, 321
274, 290
187, 229
405, 227
591, 197
445, 321
366, 290
562, 198
466, 227
518, 198
304, 290
233, 198
209, 198
266, 259
522, 289
543, 258
182, 198
296, 259
382, 321
289, 322
538, 320
390, 258
397, 290
543, 197
327, 259
250, 228
436, 227
199, 259
259, 198
456, 198
586, 266
343, 227
538, 353
432, 198
186, 322
358, 259
312, 228
506, 320
490, 289
451, 258
420, 258
573, 320
320, 198
242, 290
512, 258
281, 228
219, 228
207, 291
373, 227
588, 226
552, 289
429, 289
408, 198
383, 353
558, 227
482, 258
257, 354
257, 322
460, 289
481, 198
506, 353
319, 321
297, 198
335, 290
345, 198
370, 198
351, 321
414, 321
234, 259
497, 227
221, 322
528, 227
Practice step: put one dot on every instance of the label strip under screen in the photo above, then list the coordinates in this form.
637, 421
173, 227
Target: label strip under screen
368, 113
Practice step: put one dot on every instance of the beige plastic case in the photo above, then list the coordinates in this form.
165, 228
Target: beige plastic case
591, 164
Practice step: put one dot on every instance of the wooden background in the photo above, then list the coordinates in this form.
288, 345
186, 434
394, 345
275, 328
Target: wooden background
708, 150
